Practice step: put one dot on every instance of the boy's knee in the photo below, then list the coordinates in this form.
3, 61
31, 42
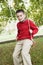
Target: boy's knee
23, 52
14, 55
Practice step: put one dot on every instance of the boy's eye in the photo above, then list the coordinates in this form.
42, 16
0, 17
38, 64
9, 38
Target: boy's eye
19, 16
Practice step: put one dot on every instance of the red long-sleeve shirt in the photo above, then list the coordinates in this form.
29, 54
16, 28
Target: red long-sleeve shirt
23, 29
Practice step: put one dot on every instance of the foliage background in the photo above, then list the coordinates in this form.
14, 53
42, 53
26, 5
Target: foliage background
34, 11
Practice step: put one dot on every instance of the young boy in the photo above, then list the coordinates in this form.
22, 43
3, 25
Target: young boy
21, 54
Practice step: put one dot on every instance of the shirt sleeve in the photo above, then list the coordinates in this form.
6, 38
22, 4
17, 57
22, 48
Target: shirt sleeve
33, 27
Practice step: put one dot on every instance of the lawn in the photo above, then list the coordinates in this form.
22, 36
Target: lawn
6, 50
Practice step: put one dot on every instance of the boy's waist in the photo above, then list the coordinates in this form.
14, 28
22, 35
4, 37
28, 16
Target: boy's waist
24, 37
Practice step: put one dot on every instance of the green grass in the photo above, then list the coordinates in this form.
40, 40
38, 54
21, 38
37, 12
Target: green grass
37, 52
6, 51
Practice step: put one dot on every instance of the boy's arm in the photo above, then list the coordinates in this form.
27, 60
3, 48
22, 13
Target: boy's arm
33, 27
17, 32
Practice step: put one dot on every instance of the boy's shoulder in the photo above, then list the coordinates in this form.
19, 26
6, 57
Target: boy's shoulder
31, 21
27, 20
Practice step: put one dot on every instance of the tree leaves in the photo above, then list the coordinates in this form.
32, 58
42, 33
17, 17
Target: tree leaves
35, 11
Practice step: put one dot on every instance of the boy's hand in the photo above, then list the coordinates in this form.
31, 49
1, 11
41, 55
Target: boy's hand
30, 31
16, 37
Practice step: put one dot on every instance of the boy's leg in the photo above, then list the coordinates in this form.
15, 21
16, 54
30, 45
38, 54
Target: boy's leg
17, 59
25, 52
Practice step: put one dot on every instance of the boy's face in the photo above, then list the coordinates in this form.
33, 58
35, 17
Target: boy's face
21, 16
